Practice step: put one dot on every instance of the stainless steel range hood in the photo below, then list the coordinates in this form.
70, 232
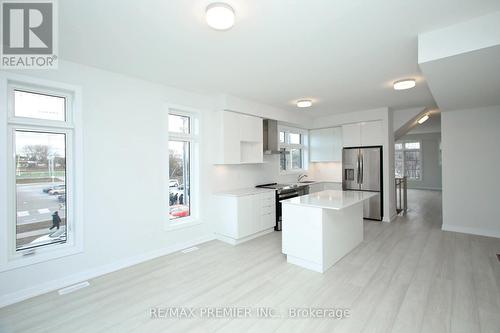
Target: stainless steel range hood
270, 130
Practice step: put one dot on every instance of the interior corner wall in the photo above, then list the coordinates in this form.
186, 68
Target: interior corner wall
471, 185
431, 161
389, 175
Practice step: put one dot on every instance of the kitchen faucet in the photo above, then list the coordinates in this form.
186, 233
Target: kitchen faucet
301, 177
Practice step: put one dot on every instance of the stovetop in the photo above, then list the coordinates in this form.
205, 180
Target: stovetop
275, 186
281, 188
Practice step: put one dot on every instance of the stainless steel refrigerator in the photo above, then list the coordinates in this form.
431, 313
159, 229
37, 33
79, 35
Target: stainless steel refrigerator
362, 171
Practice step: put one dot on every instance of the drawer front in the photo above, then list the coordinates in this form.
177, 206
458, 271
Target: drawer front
268, 221
265, 204
268, 210
267, 199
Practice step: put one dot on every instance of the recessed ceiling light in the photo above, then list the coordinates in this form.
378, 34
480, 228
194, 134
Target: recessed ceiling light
404, 84
304, 103
220, 16
423, 119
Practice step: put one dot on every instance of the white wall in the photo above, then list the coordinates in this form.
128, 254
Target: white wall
431, 165
471, 185
124, 146
326, 171
386, 116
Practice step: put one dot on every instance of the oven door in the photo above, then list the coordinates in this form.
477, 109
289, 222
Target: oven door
283, 196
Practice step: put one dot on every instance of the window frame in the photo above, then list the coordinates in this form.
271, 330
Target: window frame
287, 146
10, 258
193, 137
403, 150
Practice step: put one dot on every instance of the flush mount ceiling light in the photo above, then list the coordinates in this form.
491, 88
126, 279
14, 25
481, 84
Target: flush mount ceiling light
404, 84
423, 119
304, 103
220, 16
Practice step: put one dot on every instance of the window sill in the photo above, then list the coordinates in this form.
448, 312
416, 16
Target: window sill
43, 255
182, 223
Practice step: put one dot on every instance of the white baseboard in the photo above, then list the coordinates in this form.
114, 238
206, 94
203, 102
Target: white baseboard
389, 219
305, 263
473, 231
233, 241
49, 286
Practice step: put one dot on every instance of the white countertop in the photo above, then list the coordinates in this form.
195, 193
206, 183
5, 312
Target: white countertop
312, 182
330, 199
244, 191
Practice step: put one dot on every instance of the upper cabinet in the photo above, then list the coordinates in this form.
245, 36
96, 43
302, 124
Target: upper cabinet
371, 133
368, 133
251, 128
351, 135
325, 145
240, 139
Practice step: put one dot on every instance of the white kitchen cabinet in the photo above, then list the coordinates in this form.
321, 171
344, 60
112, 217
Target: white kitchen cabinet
245, 217
251, 128
325, 145
351, 135
229, 139
369, 133
240, 139
267, 210
372, 133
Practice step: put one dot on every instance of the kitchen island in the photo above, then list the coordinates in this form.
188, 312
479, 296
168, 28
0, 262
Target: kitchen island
321, 228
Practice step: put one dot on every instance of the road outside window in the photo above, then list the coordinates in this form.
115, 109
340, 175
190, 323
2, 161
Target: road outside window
40, 160
179, 179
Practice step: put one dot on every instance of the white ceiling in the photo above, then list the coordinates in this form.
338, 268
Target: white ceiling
343, 54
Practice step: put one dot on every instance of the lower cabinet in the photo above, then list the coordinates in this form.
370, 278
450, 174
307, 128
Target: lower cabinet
323, 186
245, 217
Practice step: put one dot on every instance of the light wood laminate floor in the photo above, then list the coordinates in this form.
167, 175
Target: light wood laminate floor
407, 276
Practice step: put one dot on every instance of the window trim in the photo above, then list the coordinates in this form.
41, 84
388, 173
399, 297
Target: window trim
404, 149
288, 146
48, 91
9, 257
194, 165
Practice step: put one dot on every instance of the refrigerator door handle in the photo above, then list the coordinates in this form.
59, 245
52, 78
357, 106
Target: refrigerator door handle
357, 169
362, 167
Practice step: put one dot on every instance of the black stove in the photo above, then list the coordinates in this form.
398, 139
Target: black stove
280, 188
